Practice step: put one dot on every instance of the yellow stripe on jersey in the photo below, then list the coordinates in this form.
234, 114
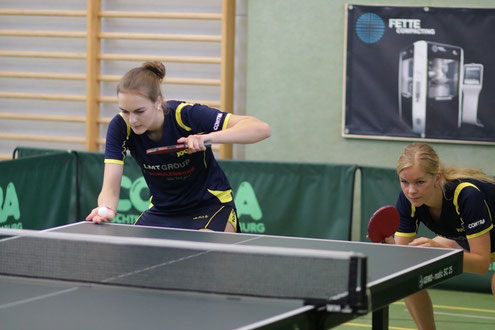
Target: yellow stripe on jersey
128, 132
458, 191
226, 121
206, 226
114, 161
413, 211
405, 234
178, 116
488, 209
224, 196
138, 218
233, 219
480, 233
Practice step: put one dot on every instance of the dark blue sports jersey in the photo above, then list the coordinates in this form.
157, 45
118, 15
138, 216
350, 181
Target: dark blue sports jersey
467, 210
177, 181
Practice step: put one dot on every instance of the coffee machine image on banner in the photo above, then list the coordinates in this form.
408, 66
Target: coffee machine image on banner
471, 88
430, 77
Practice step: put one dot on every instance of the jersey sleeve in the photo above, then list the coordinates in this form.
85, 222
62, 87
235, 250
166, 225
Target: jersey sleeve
117, 135
198, 118
408, 226
472, 207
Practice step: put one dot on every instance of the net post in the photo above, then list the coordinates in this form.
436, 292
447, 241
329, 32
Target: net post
358, 300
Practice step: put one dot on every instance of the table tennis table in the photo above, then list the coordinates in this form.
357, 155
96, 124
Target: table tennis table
393, 272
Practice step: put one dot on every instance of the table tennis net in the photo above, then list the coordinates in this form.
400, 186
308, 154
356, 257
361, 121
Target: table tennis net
332, 277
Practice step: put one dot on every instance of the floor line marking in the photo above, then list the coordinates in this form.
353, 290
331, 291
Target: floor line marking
364, 325
466, 315
456, 308
28, 300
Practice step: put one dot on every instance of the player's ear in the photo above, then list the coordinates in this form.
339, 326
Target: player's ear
438, 178
158, 102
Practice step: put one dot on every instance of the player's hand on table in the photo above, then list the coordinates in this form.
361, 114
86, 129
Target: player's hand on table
389, 240
194, 143
101, 214
386, 240
426, 242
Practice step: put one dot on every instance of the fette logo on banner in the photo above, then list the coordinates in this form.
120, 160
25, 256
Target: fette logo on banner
370, 27
408, 26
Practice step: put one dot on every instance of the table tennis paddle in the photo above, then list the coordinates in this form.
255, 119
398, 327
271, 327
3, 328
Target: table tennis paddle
170, 148
383, 223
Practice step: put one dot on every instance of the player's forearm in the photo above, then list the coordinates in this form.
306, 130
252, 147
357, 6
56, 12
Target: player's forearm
474, 263
110, 190
109, 198
399, 240
247, 130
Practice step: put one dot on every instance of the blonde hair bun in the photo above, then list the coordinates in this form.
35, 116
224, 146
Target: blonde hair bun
158, 68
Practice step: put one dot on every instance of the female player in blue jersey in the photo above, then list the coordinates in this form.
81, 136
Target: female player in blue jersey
188, 188
455, 203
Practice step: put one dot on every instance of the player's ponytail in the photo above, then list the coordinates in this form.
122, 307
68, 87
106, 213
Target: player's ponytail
455, 173
144, 80
156, 67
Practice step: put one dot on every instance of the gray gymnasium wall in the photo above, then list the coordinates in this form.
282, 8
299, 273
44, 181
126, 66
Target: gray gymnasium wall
78, 66
288, 71
295, 83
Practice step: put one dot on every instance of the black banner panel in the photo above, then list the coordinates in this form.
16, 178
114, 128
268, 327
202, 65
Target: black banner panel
420, 73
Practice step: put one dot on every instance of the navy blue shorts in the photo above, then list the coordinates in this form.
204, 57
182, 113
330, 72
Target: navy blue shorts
213, 217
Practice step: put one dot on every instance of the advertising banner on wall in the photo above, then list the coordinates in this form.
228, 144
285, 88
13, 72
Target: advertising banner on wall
420, 73
271, 198
38, 192
293, 199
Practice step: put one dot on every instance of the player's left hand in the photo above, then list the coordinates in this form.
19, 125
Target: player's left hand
426, 242
98, 217
194, 143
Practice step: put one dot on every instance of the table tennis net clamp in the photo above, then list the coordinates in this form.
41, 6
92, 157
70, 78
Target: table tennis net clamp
333, 281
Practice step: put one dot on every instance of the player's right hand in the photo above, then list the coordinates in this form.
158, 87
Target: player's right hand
387, 240
96, 218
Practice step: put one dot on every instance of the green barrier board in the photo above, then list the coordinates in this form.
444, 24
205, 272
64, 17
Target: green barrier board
294, 199
38, 192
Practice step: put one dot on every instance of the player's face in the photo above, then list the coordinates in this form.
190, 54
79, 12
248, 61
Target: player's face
139, 112
418, 186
